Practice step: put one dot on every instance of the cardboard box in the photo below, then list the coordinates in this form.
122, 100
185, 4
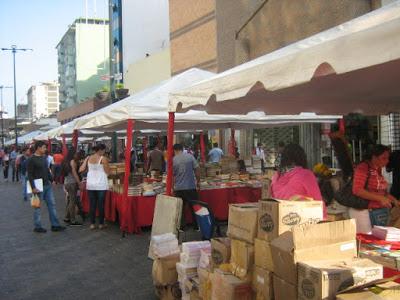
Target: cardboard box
242, 222
242, 258
225, 286
284, 290
168, 292
263, 255
383, 289
164, 270
220, 251
365, 295
312, 242
204, 283
262, 283
324, 279
278, 216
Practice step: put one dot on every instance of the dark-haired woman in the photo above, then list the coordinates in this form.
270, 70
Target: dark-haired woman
369, 184
69, 169
293, 178
96, 182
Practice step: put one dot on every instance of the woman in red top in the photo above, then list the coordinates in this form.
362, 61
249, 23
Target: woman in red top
369, 184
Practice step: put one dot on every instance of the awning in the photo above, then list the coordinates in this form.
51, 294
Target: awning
149, 109
353, 67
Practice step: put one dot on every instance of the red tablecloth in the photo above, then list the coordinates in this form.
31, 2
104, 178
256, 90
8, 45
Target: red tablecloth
138, 211
370, 239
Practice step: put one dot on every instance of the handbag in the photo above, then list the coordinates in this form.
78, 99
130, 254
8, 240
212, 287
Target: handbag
346, 197
35, 201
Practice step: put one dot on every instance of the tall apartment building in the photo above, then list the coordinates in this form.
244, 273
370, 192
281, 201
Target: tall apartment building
83, 58
43, 99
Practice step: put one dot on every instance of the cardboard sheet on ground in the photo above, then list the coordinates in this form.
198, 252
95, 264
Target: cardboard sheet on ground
167, 216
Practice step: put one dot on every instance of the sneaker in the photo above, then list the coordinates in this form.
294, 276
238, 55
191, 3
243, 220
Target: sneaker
40, 230
57, 228
102, 226
92, 226
75, 223
67, 221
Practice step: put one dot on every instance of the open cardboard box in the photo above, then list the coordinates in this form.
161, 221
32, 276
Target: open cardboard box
312, 242
383, 289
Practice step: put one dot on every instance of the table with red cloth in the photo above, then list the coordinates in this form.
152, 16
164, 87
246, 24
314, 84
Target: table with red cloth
138, 211
370, 241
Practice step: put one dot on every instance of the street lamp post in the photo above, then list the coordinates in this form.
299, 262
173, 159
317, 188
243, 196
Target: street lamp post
14, 50
2, 113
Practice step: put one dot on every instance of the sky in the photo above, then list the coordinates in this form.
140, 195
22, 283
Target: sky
40, 25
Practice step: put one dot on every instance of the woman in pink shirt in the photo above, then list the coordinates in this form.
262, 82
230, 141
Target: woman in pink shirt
293, 178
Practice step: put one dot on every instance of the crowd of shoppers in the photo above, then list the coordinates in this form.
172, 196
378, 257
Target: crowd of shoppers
37, 170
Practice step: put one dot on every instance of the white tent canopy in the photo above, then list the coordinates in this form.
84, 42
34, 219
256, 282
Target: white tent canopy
353, 67
24, 139
67, 130
149, 110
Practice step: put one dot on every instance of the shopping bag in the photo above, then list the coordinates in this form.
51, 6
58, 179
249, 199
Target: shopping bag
35, 201
379, 216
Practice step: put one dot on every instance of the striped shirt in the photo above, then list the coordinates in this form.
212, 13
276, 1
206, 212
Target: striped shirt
376, 182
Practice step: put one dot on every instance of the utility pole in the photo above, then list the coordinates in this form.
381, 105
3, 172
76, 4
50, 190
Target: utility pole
2, 112
14, 50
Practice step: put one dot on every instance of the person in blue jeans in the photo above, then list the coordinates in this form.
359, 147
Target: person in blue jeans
23, 161
38, 170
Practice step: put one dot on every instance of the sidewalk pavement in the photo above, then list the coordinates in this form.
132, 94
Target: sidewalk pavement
75, 264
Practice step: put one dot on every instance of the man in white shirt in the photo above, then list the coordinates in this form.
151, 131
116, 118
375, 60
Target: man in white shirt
260, 153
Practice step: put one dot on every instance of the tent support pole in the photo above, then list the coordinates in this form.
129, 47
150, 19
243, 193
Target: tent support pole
49, 145
232, 143
129, 131
342, 125
170, 141
75, 135
64, 146
202, 148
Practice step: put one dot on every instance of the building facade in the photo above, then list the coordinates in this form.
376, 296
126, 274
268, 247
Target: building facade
83, 60
145, 43
23, 111
43, 100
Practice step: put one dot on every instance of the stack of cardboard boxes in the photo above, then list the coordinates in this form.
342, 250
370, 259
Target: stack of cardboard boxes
275, 250
279, 250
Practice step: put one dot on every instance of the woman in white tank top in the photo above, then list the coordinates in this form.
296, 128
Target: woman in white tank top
97, 183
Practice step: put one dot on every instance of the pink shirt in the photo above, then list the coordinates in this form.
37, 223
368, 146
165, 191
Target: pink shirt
297, 182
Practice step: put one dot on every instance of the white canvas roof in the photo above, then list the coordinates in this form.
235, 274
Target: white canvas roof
149, 109
353, 67
24, 139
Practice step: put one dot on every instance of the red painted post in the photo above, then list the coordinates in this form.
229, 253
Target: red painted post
170, 149
129, 131
342, 126
75, 136
202, 148
64, 146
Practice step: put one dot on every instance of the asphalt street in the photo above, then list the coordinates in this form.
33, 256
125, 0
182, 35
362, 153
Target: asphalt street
75, 264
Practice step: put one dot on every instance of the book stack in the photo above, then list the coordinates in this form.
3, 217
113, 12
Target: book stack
164, 245
390, 234
135, 190
189, 261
